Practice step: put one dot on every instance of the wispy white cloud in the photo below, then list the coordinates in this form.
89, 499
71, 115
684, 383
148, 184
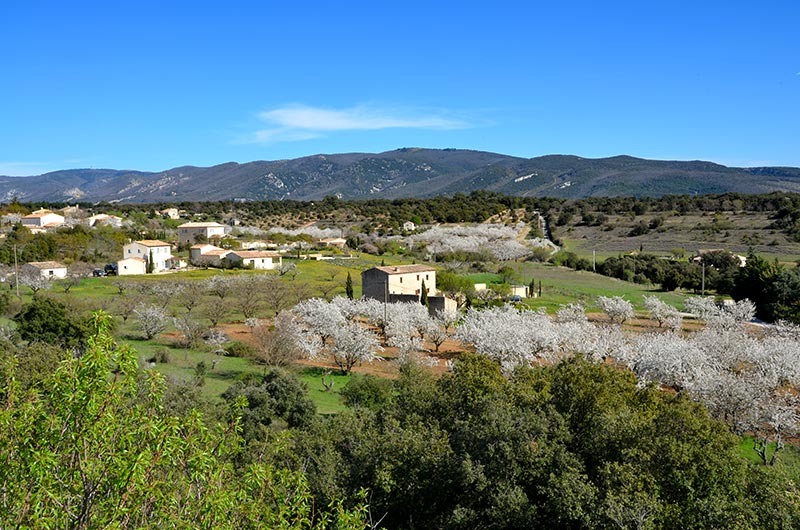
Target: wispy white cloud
302, 122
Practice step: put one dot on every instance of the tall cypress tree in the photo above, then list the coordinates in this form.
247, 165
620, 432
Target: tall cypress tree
150, 266
348, 286
423, 299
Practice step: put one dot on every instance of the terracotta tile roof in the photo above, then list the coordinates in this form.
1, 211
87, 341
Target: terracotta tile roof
216, 252
152, 243
251, 254
201, 225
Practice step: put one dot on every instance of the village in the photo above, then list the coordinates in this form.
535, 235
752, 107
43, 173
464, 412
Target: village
210, 244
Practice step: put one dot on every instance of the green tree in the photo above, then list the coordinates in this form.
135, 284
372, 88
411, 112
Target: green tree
576, 445
92, 451
423, 297
367, 391
454, 286
150, 264
277, 395
348, 286
752, 282
53, 322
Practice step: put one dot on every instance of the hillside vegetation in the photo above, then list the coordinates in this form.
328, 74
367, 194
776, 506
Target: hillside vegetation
410, 172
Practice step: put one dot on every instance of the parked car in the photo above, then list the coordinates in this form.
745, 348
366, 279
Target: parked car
110, 269
98, 273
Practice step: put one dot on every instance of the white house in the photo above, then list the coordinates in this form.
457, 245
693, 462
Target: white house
398, 280
159, 251
51, 270
128, 266
338, 242
257, 259
42, 219
170, 213
189, 233
104, 219
209, 255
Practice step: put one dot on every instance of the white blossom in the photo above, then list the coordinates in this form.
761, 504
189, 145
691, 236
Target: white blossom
663, 313
617, 308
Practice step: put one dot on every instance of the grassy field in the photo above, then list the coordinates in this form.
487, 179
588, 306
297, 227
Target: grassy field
561, 285
788, 459
317, 278
327, 401
730, 230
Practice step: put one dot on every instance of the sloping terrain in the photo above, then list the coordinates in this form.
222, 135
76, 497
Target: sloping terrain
409, 172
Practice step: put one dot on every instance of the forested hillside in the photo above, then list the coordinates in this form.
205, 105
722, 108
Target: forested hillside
403, 173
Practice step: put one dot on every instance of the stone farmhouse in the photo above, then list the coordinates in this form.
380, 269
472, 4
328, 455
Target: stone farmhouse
191, 233
403, 283
398, 280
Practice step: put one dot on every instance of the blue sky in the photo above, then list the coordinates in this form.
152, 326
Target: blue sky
154, 85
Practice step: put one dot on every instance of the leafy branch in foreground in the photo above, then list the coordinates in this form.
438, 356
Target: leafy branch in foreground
94, 448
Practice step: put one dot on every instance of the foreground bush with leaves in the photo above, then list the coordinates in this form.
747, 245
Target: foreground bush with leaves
94, 448
578, 445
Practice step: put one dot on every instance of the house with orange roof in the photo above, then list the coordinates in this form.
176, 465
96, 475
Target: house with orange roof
256, 259
207, 255
149, 249
191, 233
41, 220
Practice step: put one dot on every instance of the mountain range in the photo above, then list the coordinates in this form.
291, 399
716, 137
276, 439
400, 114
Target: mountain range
407, 172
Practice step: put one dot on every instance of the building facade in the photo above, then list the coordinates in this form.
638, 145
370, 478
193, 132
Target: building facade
130, 266
257, 259
159, 251
50, 270
191, 233
206, 255
379, 282
42, 219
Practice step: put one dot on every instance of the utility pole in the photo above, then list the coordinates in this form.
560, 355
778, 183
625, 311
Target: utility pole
594, 261
16, 270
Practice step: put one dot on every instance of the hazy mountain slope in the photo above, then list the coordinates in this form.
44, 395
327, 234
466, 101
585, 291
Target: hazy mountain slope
410, 172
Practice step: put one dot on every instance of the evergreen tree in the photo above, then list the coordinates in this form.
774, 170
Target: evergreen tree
423, 299
150, 267
348, 286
